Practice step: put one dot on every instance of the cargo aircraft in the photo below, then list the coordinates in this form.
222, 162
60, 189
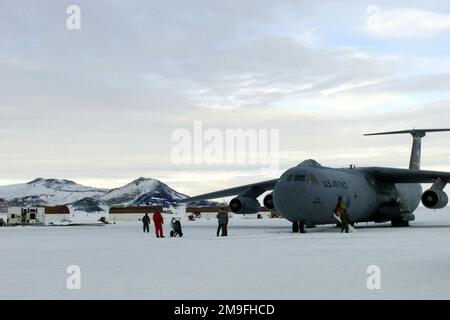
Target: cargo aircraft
307, 194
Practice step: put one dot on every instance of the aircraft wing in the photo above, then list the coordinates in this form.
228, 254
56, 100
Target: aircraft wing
251, 190
394, 175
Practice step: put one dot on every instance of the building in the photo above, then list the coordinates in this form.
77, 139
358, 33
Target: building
56, 214
37, 215
25, 216
211, 211
207, 211
131, 213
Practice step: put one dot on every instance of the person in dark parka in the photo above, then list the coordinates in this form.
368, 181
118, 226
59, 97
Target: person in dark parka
146, 223
341, 212
222, 219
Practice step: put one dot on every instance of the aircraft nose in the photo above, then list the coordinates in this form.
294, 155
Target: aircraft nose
287, 199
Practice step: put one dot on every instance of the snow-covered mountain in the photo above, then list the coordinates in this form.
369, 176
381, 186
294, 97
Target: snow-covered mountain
47, 192
142, 192
41, 192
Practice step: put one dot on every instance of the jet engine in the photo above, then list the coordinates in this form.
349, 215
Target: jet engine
434, 199
244, 205
268, 201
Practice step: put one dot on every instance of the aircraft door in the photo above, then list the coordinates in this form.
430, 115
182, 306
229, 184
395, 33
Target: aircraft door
312, 182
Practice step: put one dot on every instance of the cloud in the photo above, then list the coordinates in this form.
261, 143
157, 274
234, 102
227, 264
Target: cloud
411, 86
308, 37
405, 23
275, 69
100, 104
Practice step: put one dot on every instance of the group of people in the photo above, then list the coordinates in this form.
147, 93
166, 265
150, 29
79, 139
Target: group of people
158, 220
222, 219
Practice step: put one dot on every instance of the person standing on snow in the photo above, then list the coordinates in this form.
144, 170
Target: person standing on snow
341, 212
146, 223
222, 219
158, 220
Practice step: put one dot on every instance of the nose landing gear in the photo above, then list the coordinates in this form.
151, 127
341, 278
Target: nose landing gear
295, 227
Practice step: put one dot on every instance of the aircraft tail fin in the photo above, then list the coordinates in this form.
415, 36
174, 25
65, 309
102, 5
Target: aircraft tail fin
417, 134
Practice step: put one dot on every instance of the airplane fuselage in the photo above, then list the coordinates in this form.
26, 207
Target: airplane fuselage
310, 192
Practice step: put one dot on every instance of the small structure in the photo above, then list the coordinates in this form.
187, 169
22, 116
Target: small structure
196, 212
211, 211
131, 213
37, 215
26, 216
274, 213
56, 214
207, 211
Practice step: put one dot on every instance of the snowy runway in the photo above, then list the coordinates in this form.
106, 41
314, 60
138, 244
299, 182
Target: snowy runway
261, 259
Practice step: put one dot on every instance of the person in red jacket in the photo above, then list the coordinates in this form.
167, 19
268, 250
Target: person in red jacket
158, 220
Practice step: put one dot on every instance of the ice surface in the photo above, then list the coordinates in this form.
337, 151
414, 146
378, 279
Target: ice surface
261, 259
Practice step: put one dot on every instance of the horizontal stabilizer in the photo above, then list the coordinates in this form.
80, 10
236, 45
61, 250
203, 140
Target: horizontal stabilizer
413, 132
418, 134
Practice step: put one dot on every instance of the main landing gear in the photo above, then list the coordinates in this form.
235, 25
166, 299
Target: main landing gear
399, 223
299, 226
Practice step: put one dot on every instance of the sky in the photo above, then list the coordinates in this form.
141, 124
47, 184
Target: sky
100, 104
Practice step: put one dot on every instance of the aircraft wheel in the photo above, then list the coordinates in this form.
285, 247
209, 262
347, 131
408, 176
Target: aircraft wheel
302, 227
295, 227
399, 223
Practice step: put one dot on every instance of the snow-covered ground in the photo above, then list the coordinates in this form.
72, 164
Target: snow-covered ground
261, 259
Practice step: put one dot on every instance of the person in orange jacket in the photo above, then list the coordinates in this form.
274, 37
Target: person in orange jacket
158, 220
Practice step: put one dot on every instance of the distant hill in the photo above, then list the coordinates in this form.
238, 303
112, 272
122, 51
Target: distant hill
42, 192
142, 192
47, 192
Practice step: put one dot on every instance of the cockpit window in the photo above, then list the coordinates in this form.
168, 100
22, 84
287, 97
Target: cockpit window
299, 177
289, 178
